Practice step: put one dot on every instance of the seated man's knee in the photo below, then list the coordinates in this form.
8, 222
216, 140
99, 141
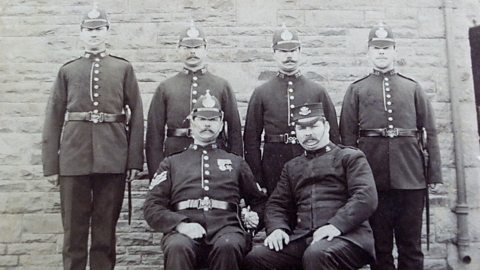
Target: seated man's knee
178, 245
230, 244
318, 255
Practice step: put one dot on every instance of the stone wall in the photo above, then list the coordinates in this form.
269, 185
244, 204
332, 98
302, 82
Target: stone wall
38, 36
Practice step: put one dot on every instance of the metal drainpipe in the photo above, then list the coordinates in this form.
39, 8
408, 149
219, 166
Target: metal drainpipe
461, 209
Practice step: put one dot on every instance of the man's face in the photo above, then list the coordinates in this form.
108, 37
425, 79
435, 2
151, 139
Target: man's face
206, 130
313, 136
287, 61
382, 57
192, 57
94, 39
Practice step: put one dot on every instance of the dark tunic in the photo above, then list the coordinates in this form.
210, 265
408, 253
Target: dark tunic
396, 162
173, 102
87, 147
197, 173
331, 186
269, 111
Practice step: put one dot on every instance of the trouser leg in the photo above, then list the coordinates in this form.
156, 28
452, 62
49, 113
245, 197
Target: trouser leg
263, 258
180, 252
75, 200
338, 254
382, 222
108, 193
227, 252
408, 229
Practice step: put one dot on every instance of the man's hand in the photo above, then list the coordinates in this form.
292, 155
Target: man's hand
132, 174
52, 179
250, 218
192, 230
435, 187
276, 239
327, 231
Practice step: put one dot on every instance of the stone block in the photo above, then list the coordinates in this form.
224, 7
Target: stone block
134, 239
435, 264
14, 203
29, 261
11, 228
128, 259
8, 261
39, 238
154, 259
31, 249
431, 26
256, 12
144, 250
329, 18
42, 223
291, 18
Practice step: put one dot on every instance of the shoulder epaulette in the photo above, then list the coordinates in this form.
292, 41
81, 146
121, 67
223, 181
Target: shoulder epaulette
178, 152
346, 146
361, 79
118, 57
401, 75
71, 61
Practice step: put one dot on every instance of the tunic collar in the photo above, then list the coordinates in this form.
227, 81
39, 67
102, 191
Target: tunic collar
91, 55
379, 73
283, 75
206, 147
187, 71
319, 152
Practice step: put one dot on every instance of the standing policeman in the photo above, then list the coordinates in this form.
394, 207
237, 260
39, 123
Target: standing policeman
176, 96
270, 110
194, 198
87, 144
384, 114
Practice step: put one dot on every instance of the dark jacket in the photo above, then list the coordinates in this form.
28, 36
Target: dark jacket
172, 103
396, 162
85, 147
333, 185
197, 173
269, 112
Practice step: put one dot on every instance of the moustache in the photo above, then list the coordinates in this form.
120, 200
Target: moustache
206, 130
290, 61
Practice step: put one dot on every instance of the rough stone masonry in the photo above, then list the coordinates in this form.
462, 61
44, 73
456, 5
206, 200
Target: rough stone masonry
38, 36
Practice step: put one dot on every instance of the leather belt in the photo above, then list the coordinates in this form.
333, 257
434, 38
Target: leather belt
205, 204
95, 117
178, 132
388, 132
282, 138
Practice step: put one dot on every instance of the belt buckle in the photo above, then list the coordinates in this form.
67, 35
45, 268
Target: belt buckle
390, 132
205, 204
289, 139
96, 117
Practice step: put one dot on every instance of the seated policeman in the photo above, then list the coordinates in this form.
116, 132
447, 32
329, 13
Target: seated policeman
331, 190
194, 198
